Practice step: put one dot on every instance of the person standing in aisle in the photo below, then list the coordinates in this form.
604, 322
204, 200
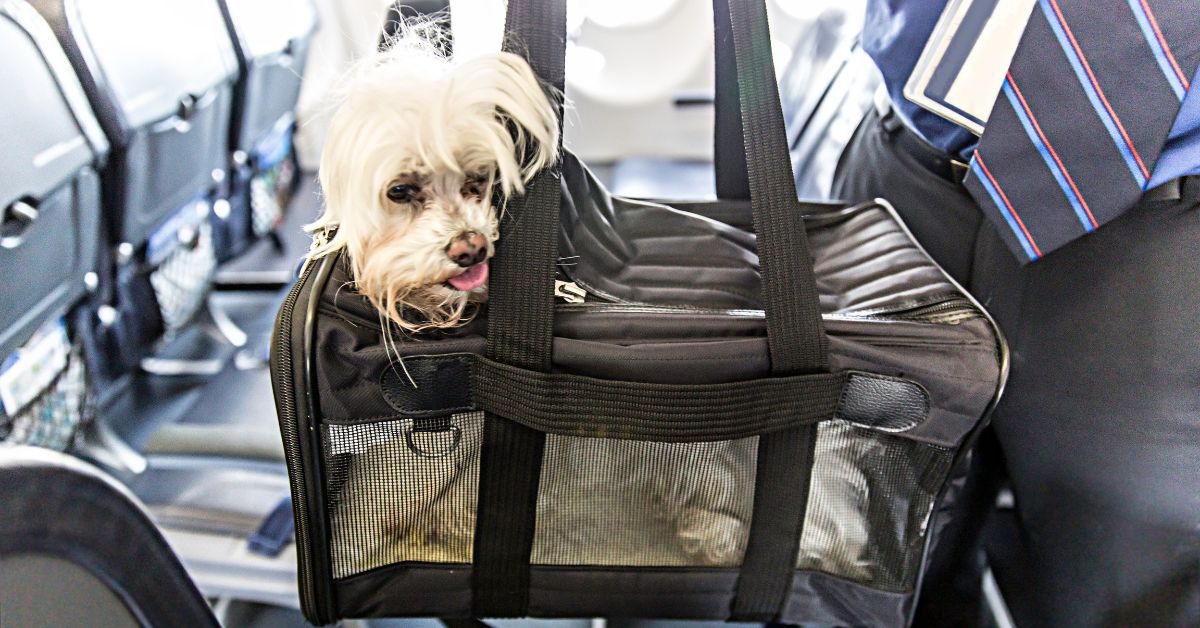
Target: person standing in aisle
1074, 218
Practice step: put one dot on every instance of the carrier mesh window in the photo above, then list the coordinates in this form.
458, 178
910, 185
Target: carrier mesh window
636, 503
405, 492
400, 491
869, 504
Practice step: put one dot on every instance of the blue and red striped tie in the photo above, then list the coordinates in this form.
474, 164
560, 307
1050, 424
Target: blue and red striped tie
1082, 117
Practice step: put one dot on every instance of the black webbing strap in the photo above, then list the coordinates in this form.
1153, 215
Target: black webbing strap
570, 404
795, 331
729, 153
780, 502
576, 405
521, 298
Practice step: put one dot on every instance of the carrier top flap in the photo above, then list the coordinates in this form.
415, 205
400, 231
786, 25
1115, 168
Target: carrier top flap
888, 309
635, 251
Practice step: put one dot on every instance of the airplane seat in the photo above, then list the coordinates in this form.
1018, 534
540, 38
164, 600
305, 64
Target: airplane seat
271, 42
49, 232
97, 166
159, 76
76, 549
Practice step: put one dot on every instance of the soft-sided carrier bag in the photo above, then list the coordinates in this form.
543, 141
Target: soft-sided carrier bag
159, 76
658, 414
272, 40
49, 230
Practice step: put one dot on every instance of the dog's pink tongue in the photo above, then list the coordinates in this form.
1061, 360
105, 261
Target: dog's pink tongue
474, 277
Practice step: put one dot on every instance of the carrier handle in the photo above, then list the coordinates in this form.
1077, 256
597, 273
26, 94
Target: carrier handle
521, 288
795, 330
521, 308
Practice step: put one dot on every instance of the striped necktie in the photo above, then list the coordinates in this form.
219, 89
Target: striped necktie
1082, 117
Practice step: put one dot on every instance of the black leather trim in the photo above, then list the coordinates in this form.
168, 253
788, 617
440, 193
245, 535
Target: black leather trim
440, 385
883, 403
442, 590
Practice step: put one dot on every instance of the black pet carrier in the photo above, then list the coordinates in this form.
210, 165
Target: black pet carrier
638, 425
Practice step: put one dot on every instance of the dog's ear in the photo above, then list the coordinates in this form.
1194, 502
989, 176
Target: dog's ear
523, 111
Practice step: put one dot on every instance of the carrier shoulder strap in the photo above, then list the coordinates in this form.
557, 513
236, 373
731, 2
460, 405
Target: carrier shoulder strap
729, 150
795, 331
519, 333
794, 327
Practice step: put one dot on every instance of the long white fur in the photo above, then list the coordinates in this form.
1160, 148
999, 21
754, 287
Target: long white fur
411, 111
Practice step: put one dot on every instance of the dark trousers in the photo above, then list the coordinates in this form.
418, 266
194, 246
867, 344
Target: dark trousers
1099, 426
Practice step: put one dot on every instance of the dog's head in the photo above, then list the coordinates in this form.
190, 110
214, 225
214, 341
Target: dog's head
415, 151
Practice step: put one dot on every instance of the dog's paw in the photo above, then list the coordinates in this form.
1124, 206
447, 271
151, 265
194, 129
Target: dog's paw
711, 539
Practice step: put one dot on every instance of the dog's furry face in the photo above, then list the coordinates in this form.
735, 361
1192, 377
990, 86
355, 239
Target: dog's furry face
415, 152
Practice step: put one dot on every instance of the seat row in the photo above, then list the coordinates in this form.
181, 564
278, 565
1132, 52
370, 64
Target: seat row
145, 143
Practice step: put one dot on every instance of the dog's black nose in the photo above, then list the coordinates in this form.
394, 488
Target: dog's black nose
468, 249
470, 259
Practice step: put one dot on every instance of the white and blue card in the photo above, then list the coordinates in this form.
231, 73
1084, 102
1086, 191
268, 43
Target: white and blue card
963, 66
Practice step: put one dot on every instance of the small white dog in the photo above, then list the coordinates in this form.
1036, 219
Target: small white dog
413, 155
416, 150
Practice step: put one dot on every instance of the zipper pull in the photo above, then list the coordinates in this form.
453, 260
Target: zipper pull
569, 291
319, 239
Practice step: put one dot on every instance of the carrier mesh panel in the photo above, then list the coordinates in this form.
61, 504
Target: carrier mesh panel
405, 492
402, 492
869, 505
54, 418
637, 503
182, 279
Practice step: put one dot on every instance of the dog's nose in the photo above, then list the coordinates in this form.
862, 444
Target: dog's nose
467, 249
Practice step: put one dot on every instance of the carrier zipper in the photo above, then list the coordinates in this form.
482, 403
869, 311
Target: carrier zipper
316, 604
944, 310
627, 307
569, 291
572, 290
940, 310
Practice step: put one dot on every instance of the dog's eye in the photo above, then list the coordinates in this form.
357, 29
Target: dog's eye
400, 193
475, 186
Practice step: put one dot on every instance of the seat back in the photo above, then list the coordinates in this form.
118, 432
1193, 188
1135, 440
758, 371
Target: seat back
271, 40
49, 189
49, 233
77, 549
159, 76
